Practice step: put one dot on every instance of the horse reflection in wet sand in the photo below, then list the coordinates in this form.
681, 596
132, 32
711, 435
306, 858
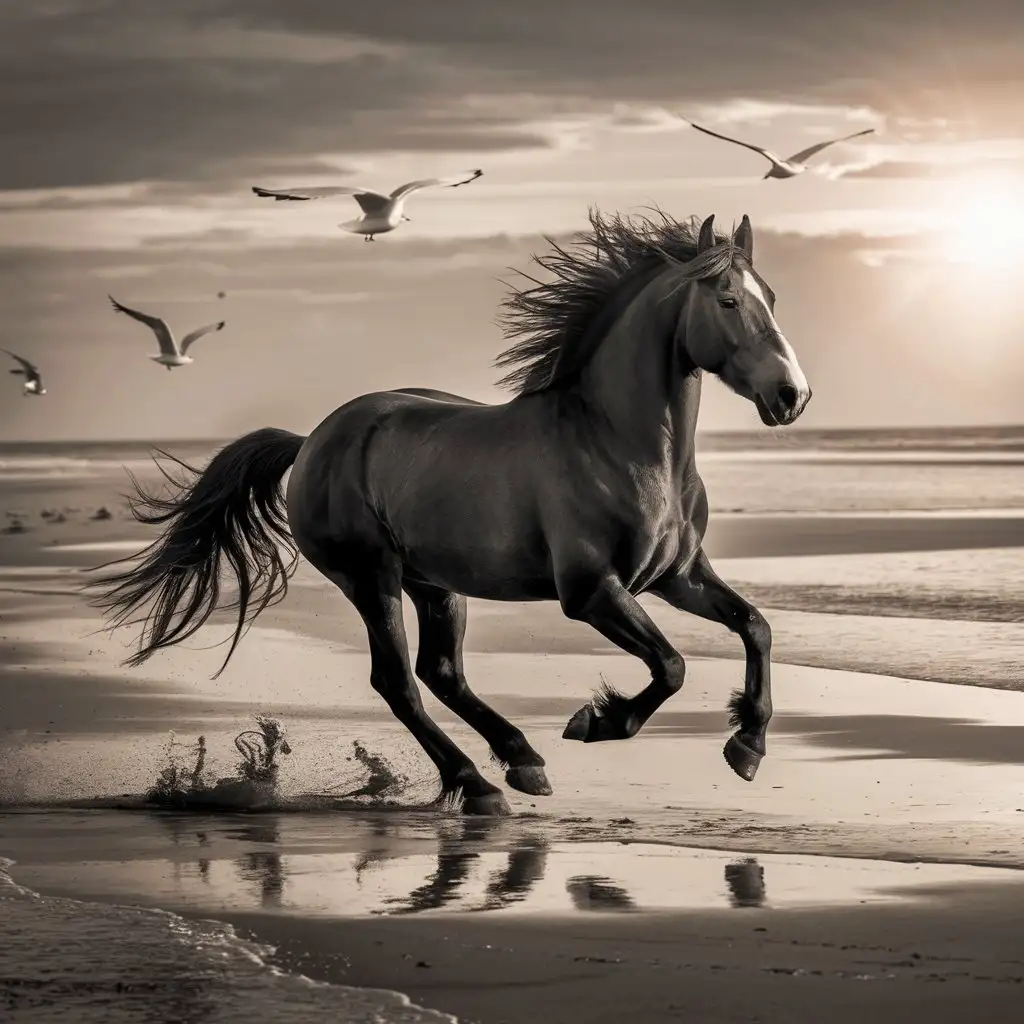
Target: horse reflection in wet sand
524, 868
745, 880
583, 489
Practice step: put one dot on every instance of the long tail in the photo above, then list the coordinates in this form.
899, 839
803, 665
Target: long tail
232, 511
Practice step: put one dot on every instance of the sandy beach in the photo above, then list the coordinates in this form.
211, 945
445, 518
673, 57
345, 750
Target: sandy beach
874, 867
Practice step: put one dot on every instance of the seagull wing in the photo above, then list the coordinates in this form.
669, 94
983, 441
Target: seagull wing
30, 372
159, 327
367, 198
806, 154
453, 180
198, 333
766, 153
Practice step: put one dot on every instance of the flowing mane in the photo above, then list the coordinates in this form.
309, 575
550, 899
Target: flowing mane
552, 319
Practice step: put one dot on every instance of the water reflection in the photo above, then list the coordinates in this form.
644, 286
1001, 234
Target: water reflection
265, 868
592, 892
745, 880
525, 868
382, 836
441, 888
203, 863
457, 856
476, 866
347, 865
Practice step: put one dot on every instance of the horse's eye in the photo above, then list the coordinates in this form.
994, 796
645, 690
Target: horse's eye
727, 302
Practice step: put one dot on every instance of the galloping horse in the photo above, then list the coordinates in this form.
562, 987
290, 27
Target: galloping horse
582, 489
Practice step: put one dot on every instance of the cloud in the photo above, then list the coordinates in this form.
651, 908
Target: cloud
165, 38
900, 169
633, 118
743, 110
93, 93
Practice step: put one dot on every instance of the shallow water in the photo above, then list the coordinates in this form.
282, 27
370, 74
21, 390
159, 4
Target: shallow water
402, 871
358, 863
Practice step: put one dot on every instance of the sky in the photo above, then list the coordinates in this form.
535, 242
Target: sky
133, 130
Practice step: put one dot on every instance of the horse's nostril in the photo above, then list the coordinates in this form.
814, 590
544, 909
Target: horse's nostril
788, 396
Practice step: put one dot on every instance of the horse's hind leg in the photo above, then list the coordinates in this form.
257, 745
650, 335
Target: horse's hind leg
377, 596
442, 620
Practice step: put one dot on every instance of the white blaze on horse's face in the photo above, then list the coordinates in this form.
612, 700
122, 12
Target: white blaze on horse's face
782, 386
761, 364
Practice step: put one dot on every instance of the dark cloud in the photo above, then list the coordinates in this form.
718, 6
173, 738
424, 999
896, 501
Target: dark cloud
104, 91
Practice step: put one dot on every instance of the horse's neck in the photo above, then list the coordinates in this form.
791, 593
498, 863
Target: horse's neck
640, 382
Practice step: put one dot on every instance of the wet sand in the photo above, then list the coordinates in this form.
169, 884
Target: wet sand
801, 967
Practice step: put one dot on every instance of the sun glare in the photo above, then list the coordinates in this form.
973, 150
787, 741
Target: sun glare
984, 221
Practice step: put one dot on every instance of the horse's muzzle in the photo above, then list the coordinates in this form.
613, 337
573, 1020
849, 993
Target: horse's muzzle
784, 407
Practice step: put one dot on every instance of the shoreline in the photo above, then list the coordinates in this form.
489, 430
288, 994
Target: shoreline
692, 829
909, 948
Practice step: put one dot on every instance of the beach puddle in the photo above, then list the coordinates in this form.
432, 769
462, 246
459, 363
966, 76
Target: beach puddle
333, 866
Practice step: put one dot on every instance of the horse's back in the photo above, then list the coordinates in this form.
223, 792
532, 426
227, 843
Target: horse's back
453, 484
398, 422
438, 396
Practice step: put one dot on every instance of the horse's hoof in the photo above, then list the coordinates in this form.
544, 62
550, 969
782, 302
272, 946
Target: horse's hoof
589, 727
741, 759
580, 724
489, 805
529, 779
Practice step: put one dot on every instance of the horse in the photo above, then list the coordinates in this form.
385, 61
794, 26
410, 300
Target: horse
581, 489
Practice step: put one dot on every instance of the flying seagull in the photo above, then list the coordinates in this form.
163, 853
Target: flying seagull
170, 353
33, 379
783, 167
381, 213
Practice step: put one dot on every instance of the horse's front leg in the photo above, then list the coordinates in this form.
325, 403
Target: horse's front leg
699, 590
605, 604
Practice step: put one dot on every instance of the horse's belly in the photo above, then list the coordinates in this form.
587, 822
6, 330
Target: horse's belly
483, 582
497, 557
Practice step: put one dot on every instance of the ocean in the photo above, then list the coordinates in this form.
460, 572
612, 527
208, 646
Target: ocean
819, 471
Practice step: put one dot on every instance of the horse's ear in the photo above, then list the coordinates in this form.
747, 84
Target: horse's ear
706, 238
743, 238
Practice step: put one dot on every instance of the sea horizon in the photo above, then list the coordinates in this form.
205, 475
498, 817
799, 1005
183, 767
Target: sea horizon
938, 436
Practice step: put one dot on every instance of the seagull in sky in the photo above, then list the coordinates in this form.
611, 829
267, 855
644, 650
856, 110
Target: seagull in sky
783, 167
33, 379
171, 355
381, 213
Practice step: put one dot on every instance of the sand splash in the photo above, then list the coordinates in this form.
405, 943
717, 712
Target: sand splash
185, 784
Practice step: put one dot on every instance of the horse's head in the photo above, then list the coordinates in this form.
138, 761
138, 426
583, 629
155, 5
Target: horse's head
730, 330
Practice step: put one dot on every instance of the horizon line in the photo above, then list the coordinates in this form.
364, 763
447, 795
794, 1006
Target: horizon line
722, 432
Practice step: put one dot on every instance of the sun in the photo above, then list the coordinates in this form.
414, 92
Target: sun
983, 222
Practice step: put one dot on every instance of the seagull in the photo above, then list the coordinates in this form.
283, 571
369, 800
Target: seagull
381, 213
33, 379
170, 354
783, 167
